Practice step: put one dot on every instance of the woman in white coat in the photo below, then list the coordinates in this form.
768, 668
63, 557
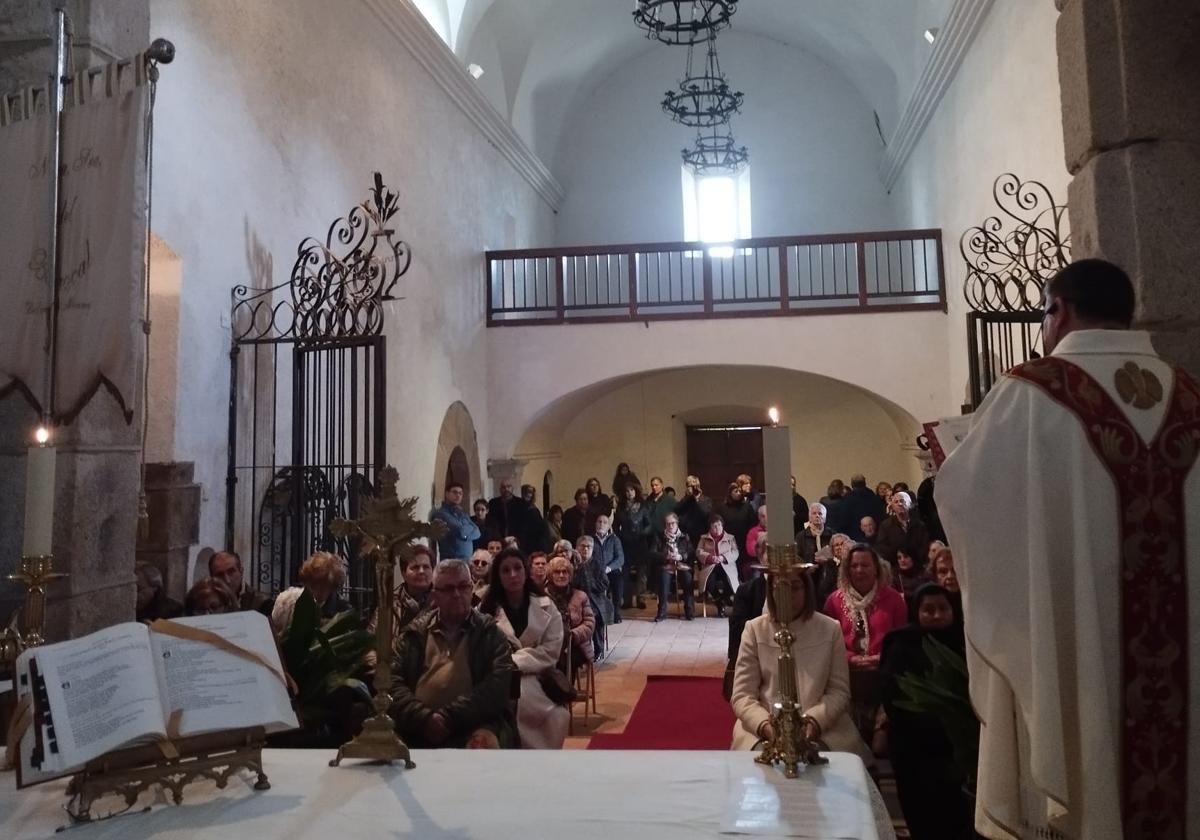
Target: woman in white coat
534, 627
822, 675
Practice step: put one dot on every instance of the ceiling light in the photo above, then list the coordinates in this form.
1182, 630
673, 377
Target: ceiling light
704, 98
683, 22
475, 70
715, 154
931, 34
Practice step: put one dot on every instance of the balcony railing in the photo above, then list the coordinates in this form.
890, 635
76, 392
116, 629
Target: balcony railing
882, 271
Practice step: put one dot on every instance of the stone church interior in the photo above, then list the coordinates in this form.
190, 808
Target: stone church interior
677, 417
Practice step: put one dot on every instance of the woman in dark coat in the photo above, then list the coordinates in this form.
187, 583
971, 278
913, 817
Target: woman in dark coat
928, 780
599, 504
633, 528
739, 518
622, 479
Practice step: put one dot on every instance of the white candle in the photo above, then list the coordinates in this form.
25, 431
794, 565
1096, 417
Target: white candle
39, 501
777, 468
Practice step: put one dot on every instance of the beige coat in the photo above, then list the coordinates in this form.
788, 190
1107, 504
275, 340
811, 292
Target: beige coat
822, 681
541, 722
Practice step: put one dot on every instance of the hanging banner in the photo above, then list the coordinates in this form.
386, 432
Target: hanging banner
102, 243
24, 273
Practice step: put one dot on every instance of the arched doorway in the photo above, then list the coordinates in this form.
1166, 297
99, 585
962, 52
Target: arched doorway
457, 457
458, 471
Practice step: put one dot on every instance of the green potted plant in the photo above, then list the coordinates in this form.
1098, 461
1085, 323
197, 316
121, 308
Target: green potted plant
326, 661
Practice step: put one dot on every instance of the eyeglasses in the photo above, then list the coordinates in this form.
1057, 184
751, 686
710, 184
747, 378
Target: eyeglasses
461, 589
479, 562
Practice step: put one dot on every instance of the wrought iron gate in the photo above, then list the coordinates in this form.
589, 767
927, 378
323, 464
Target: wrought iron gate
1006, 272
307, 397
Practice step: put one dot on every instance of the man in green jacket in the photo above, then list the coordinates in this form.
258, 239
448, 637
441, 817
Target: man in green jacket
452, 672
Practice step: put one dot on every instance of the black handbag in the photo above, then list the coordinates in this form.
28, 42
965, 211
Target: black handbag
557, 686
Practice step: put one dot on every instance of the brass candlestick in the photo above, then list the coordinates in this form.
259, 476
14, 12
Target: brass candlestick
789, 743
387, 529
36, 572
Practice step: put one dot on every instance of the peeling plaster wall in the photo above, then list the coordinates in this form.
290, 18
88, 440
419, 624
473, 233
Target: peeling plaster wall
269, 126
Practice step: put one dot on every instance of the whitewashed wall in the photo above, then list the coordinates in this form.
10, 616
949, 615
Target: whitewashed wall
269, 125
814, 149
1001, 114
836, 428
900, 358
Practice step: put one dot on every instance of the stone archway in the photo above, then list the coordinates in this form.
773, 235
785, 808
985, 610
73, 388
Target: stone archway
457, 455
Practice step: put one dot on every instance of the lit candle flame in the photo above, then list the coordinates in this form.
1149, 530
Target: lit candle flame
773, 413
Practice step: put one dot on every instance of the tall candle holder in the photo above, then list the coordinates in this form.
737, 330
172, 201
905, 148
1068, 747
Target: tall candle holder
387, 527
789, 743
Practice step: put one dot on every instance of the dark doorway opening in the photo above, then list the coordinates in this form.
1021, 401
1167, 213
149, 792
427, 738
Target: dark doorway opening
547, 488
458, 471
718, 454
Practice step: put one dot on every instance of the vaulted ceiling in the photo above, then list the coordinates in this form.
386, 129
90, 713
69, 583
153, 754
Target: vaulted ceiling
552, 53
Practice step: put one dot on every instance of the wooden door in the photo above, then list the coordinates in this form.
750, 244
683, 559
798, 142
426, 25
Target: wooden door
718, 454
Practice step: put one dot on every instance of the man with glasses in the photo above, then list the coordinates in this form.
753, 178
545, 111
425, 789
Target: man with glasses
1073, 507
453, 673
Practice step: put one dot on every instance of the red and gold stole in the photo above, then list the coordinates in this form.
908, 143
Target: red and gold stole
1153, 596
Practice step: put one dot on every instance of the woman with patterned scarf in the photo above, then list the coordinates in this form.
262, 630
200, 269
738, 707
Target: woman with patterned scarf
867, 608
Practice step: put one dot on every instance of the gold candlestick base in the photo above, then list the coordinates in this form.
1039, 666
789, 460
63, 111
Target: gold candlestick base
378, 740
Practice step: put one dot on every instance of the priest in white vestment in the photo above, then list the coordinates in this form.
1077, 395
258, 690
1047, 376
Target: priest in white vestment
1073, 508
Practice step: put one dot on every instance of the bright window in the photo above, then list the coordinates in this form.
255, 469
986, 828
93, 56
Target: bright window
716, 208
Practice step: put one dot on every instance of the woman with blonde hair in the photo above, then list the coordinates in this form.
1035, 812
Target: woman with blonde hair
322, 575
576, 610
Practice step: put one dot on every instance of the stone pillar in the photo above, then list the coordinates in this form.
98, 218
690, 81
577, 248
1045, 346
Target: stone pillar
173, 500
500, 469
96, 495
1130, 80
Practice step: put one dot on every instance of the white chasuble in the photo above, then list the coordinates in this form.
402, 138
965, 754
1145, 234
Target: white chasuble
1073, 508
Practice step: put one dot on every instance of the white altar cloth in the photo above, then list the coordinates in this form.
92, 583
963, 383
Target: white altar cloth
461, 795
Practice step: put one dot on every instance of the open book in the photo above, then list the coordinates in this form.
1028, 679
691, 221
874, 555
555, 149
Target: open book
130, 684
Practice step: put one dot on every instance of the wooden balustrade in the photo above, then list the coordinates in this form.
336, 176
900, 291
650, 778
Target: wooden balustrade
883, 271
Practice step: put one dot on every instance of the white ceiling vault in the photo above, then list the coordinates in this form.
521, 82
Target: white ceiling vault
542, 58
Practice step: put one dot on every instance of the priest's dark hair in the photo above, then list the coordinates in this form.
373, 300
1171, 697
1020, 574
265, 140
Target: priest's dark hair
1100, 292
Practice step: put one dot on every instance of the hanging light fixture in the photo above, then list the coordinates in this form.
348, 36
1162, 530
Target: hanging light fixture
683, 22
704, 99
715, 153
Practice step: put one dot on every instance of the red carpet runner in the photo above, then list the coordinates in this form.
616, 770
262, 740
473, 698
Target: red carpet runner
675, 713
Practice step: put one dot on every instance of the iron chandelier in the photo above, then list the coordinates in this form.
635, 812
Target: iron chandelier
704, 99
715, 153
683, 22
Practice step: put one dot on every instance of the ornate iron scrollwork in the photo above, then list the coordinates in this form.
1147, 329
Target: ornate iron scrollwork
337, 287
1007, 269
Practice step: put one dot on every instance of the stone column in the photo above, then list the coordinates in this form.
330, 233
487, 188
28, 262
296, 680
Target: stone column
1129, 73
96, 495
511, 469
173, 500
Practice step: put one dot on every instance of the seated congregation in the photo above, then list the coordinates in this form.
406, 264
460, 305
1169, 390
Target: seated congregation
493, 623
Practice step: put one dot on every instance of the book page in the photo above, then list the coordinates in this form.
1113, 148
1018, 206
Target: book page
215, 689
90, 696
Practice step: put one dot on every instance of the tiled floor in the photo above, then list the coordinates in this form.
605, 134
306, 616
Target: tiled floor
639, 647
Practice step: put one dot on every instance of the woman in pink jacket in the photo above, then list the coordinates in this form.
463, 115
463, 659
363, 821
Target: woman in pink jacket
865, 606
